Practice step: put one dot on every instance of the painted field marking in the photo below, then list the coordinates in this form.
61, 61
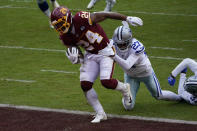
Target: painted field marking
91, 113
15, 80
54, 50
26, 1
56, 71
122, 11
152, 13
5, 6
168, 58
38, 49
165, 48
190, 40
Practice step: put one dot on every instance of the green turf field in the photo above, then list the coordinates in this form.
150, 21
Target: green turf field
30, 50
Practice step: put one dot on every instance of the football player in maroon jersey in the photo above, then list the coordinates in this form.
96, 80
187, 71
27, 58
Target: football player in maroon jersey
83, 30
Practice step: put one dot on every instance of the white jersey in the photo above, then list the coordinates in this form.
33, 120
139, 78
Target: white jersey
134, 60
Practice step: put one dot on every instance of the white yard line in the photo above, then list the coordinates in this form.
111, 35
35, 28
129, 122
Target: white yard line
153, 13
25, 1
5, 6
38, 49
54, 50
166, 48
15, 80
90, 113
168, 58
56, 71
121, 11
190, 40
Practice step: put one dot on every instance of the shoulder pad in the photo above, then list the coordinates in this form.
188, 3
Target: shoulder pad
137, 47
83, 16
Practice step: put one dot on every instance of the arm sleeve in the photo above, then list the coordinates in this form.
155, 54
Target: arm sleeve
128, 63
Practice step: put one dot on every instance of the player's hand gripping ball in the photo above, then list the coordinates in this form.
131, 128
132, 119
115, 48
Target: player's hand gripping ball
74, 54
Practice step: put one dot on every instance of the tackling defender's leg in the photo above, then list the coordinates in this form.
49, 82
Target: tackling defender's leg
44, 7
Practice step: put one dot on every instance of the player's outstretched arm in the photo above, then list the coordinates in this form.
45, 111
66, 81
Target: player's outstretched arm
101, 16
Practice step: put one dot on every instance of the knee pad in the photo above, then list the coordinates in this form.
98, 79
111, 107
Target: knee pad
86, 85
109, 83
188, 61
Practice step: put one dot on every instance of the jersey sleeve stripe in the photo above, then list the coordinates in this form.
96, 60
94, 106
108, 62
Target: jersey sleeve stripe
157, 85
89, 20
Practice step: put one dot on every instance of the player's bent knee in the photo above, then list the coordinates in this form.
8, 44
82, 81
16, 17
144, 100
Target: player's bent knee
160, 97
157, 97
187, 60
86, 85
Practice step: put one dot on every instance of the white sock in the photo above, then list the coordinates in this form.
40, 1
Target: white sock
55, 4
47, 13
92, 99
181, 83
120, 87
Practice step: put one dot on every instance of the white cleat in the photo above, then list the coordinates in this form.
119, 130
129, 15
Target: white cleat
99, 117
91, 4
130, 107
109, 5
127, 96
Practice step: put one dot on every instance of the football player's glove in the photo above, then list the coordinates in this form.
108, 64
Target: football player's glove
74, 55
171, 80
134, 21
108, 51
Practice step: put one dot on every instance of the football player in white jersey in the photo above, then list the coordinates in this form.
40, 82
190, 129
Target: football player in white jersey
109, 4
131, 56
44, 7
187, 88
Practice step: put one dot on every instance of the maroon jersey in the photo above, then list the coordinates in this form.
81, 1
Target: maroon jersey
87, 35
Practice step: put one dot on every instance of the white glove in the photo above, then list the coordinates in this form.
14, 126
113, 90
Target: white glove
72, 54
107, 51
134, 21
